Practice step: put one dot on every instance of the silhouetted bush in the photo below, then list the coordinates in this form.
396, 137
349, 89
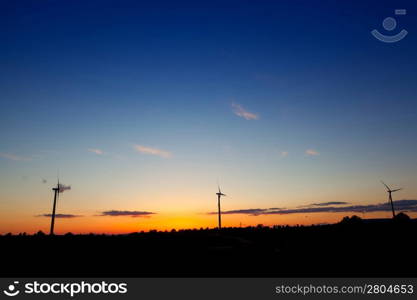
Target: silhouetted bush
353, 220
402, 218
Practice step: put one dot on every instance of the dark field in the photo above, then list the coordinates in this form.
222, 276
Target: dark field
352, 248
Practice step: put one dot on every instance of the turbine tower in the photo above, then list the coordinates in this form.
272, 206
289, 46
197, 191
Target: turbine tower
56, 191
219, 195
389, 191
60, 188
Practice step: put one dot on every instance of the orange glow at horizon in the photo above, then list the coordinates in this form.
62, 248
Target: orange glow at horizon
167, 222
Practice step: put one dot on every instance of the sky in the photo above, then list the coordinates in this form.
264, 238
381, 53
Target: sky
144, 108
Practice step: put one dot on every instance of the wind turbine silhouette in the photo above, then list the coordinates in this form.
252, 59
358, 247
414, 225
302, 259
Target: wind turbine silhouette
389, 191
60, 188
219, 195
56, 191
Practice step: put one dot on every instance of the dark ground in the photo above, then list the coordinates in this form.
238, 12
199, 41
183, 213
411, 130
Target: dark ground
353, 248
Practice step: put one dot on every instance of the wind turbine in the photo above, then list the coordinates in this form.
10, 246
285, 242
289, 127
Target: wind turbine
219, 195
390, 197
60, 188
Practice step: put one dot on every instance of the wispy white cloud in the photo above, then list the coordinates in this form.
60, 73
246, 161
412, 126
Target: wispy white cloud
312, 152
14, 157
96, 151
238, 110
283, 154
152, 151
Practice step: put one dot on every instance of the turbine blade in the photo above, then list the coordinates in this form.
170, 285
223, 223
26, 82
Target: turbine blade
396, 190
386, 185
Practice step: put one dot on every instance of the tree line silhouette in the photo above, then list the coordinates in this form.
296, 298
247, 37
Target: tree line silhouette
352, 247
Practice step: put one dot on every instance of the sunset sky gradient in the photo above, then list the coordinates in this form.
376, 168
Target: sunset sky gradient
147, 107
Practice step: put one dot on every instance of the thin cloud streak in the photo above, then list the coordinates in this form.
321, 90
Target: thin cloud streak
400, 205
329, 203
324, 204
283, 154
152, 151
96, 151
312, 152
60, 216
14, 157
126, 213
241, 112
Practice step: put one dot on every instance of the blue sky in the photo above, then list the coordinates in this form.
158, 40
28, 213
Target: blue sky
334, 108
